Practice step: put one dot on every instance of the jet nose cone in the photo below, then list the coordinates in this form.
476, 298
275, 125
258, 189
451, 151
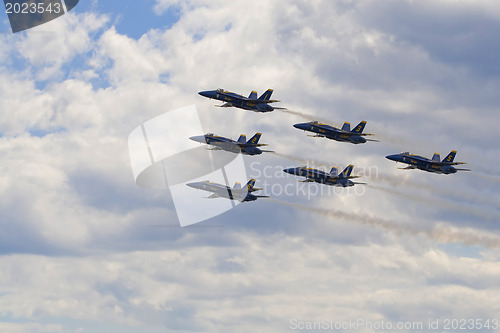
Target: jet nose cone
196, 185
207, 93
392, 157
198, 138
289, 170
300, 126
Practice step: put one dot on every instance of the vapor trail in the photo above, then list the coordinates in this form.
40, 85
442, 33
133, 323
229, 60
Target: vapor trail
305, 116
303, 160
441, 233
489, 177
469, 196
295, 158
481, 213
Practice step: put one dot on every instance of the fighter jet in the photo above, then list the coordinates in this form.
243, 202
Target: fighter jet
251, 102
234, 193
242, 145
339, 134
319, 176
423, 163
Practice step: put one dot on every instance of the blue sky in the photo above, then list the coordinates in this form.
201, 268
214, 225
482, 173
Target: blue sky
132, 18
84, 249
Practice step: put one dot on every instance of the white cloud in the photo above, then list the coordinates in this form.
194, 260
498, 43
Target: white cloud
275, 281
31, 328
51, 45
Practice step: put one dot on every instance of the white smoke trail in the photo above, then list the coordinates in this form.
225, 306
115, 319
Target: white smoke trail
433, 201
305, 116
469, 196
488, 177
441, 233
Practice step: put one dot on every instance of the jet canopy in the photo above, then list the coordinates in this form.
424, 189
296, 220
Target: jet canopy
209, 134
405, 153
314, 122
219, 90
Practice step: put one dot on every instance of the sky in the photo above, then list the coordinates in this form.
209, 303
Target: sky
84, 249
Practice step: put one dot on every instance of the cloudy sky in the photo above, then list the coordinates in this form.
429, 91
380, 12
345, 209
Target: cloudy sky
83, 249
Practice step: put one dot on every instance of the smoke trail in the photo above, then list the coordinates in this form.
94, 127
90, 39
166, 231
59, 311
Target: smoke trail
303, 160
441, 233
305, 116
488, 177
469, 196
296, 159
441, 204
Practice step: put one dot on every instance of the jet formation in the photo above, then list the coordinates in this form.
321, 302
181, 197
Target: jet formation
237, 192
332, 178
322, 177
343, 134
430, 165
243, 146
251, 103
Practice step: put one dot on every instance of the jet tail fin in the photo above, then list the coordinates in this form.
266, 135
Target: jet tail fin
450, 157
334, 171
359, 128
242, 138
346, 127
237, 185
253, 95
267, 95
436, 157
250, 185
254, 139
347, 172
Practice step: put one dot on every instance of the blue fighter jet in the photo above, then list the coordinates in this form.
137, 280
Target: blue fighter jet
251, 102
434, 165
339, 134
237, 192
245, 147
319, 176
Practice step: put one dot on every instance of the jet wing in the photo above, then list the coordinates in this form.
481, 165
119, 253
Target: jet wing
449, 163
213, 196
343, 177
245, 145
308, 180
225, 105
